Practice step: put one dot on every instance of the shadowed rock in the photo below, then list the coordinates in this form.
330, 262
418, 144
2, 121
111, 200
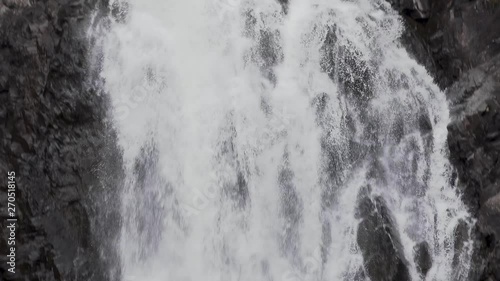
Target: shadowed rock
474, 144
461, 235
56, 138
490, 216
416, 9
423, 258
450, 37
379, 240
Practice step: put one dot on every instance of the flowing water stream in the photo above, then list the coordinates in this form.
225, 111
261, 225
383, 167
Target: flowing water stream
272, 141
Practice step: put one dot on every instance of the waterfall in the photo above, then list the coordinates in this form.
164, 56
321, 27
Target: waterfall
265, 140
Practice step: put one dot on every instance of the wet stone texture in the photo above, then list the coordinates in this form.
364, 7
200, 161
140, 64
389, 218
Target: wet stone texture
423, 258
450, 37
54, 136
459, 43
379, 240
474, 141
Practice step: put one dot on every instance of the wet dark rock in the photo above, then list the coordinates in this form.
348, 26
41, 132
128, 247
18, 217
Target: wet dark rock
56, 138
379, 240
451, 37
473, 134
461, 236
489, 226
458, 43
360, 275
415, 9
490, 216
475, 154
423, 258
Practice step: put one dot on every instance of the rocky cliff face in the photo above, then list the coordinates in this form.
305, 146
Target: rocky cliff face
474, 141
56, 139
451, 36
459, 42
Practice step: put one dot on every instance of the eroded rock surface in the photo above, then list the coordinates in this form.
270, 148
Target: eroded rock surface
459, 43
379, 240
55, 137
456, 35
474, 141
423, 258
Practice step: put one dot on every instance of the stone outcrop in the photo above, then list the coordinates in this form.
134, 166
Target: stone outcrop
415, 9
456, 35
56, 139
459, 43
379, 240
423, 258
474, 141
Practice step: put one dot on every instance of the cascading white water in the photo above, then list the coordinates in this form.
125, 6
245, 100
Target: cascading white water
249, 131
